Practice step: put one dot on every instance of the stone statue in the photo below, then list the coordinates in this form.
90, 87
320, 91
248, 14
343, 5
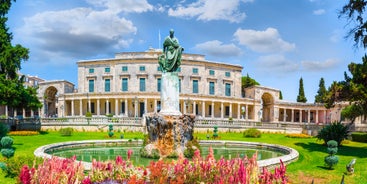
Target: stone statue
350, 166
170, 60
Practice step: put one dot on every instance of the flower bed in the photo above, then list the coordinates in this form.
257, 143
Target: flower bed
199, 169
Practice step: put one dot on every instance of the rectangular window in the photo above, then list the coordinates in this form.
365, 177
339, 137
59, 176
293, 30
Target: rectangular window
210, 110
125, 84
228, 89
91, 70
124, 69
195, 86
142, 84
92, 108
107, 70
107, 85
91, 86
211, 72
142, 68
227, 110
195, 70
159, 84
122, 107
228, 74
211, 88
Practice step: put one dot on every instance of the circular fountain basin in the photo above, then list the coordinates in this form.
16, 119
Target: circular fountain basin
269, 155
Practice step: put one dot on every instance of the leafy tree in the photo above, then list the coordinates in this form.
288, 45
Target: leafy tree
280, 95
352, 89
12, 91
301, 92
334, 131
247, 81
354, 11
321, 93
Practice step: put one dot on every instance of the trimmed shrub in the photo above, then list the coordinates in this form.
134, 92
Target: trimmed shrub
7, 152
68, 131
6, 142
334, 131
15, 164
359, 137
331, 160
4, 129
252, 132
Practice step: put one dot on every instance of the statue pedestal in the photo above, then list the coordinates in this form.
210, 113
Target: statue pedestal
170, 94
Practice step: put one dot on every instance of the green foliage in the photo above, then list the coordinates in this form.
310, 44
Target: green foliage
252, 132
333, 131
68, 131
354, 11
351, 112
321, 93
331, 160
154, 154
247, 81
4, 129
215, 132
110, 134
109, 115
280, 95
359, 137
7, 152
3, 166
6, 142
14, 164
301, 92
191, 147
88, 114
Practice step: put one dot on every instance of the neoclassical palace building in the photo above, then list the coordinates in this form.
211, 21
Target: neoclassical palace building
129, 85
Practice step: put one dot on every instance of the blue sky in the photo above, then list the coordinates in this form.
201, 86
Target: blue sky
276, 41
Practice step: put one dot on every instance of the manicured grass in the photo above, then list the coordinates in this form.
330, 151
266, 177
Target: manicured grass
310, 164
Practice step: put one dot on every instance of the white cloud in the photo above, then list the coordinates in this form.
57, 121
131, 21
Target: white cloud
319, 12
218, 49
83, 32
319, 65
207, 10
118, 6
278, 64
263, 41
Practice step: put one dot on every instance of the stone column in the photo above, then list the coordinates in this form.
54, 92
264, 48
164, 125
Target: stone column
72, 108
32, 113
107, 107
145, 105
136, 102
194, 108
221, 110
300, 115
292, 116
246, 112
238, 111
203, 108
23, 113
155, 105
89, 107
317, 116
80, 107
184, 106
325, 118
285, 115
6, 111
126, 106
308, 116
213, 110
230, 110
116, 107
98, 108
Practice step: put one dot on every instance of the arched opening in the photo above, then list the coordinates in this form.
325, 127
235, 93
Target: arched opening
49, 102
267, 107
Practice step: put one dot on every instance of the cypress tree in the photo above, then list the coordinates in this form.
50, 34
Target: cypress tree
301, 92
321, 93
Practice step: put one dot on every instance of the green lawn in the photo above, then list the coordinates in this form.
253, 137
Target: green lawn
309, 165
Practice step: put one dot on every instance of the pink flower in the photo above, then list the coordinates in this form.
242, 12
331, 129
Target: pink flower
129, 153
25, 176
119, 160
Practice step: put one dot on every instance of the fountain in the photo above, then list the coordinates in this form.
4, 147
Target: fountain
169, 130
